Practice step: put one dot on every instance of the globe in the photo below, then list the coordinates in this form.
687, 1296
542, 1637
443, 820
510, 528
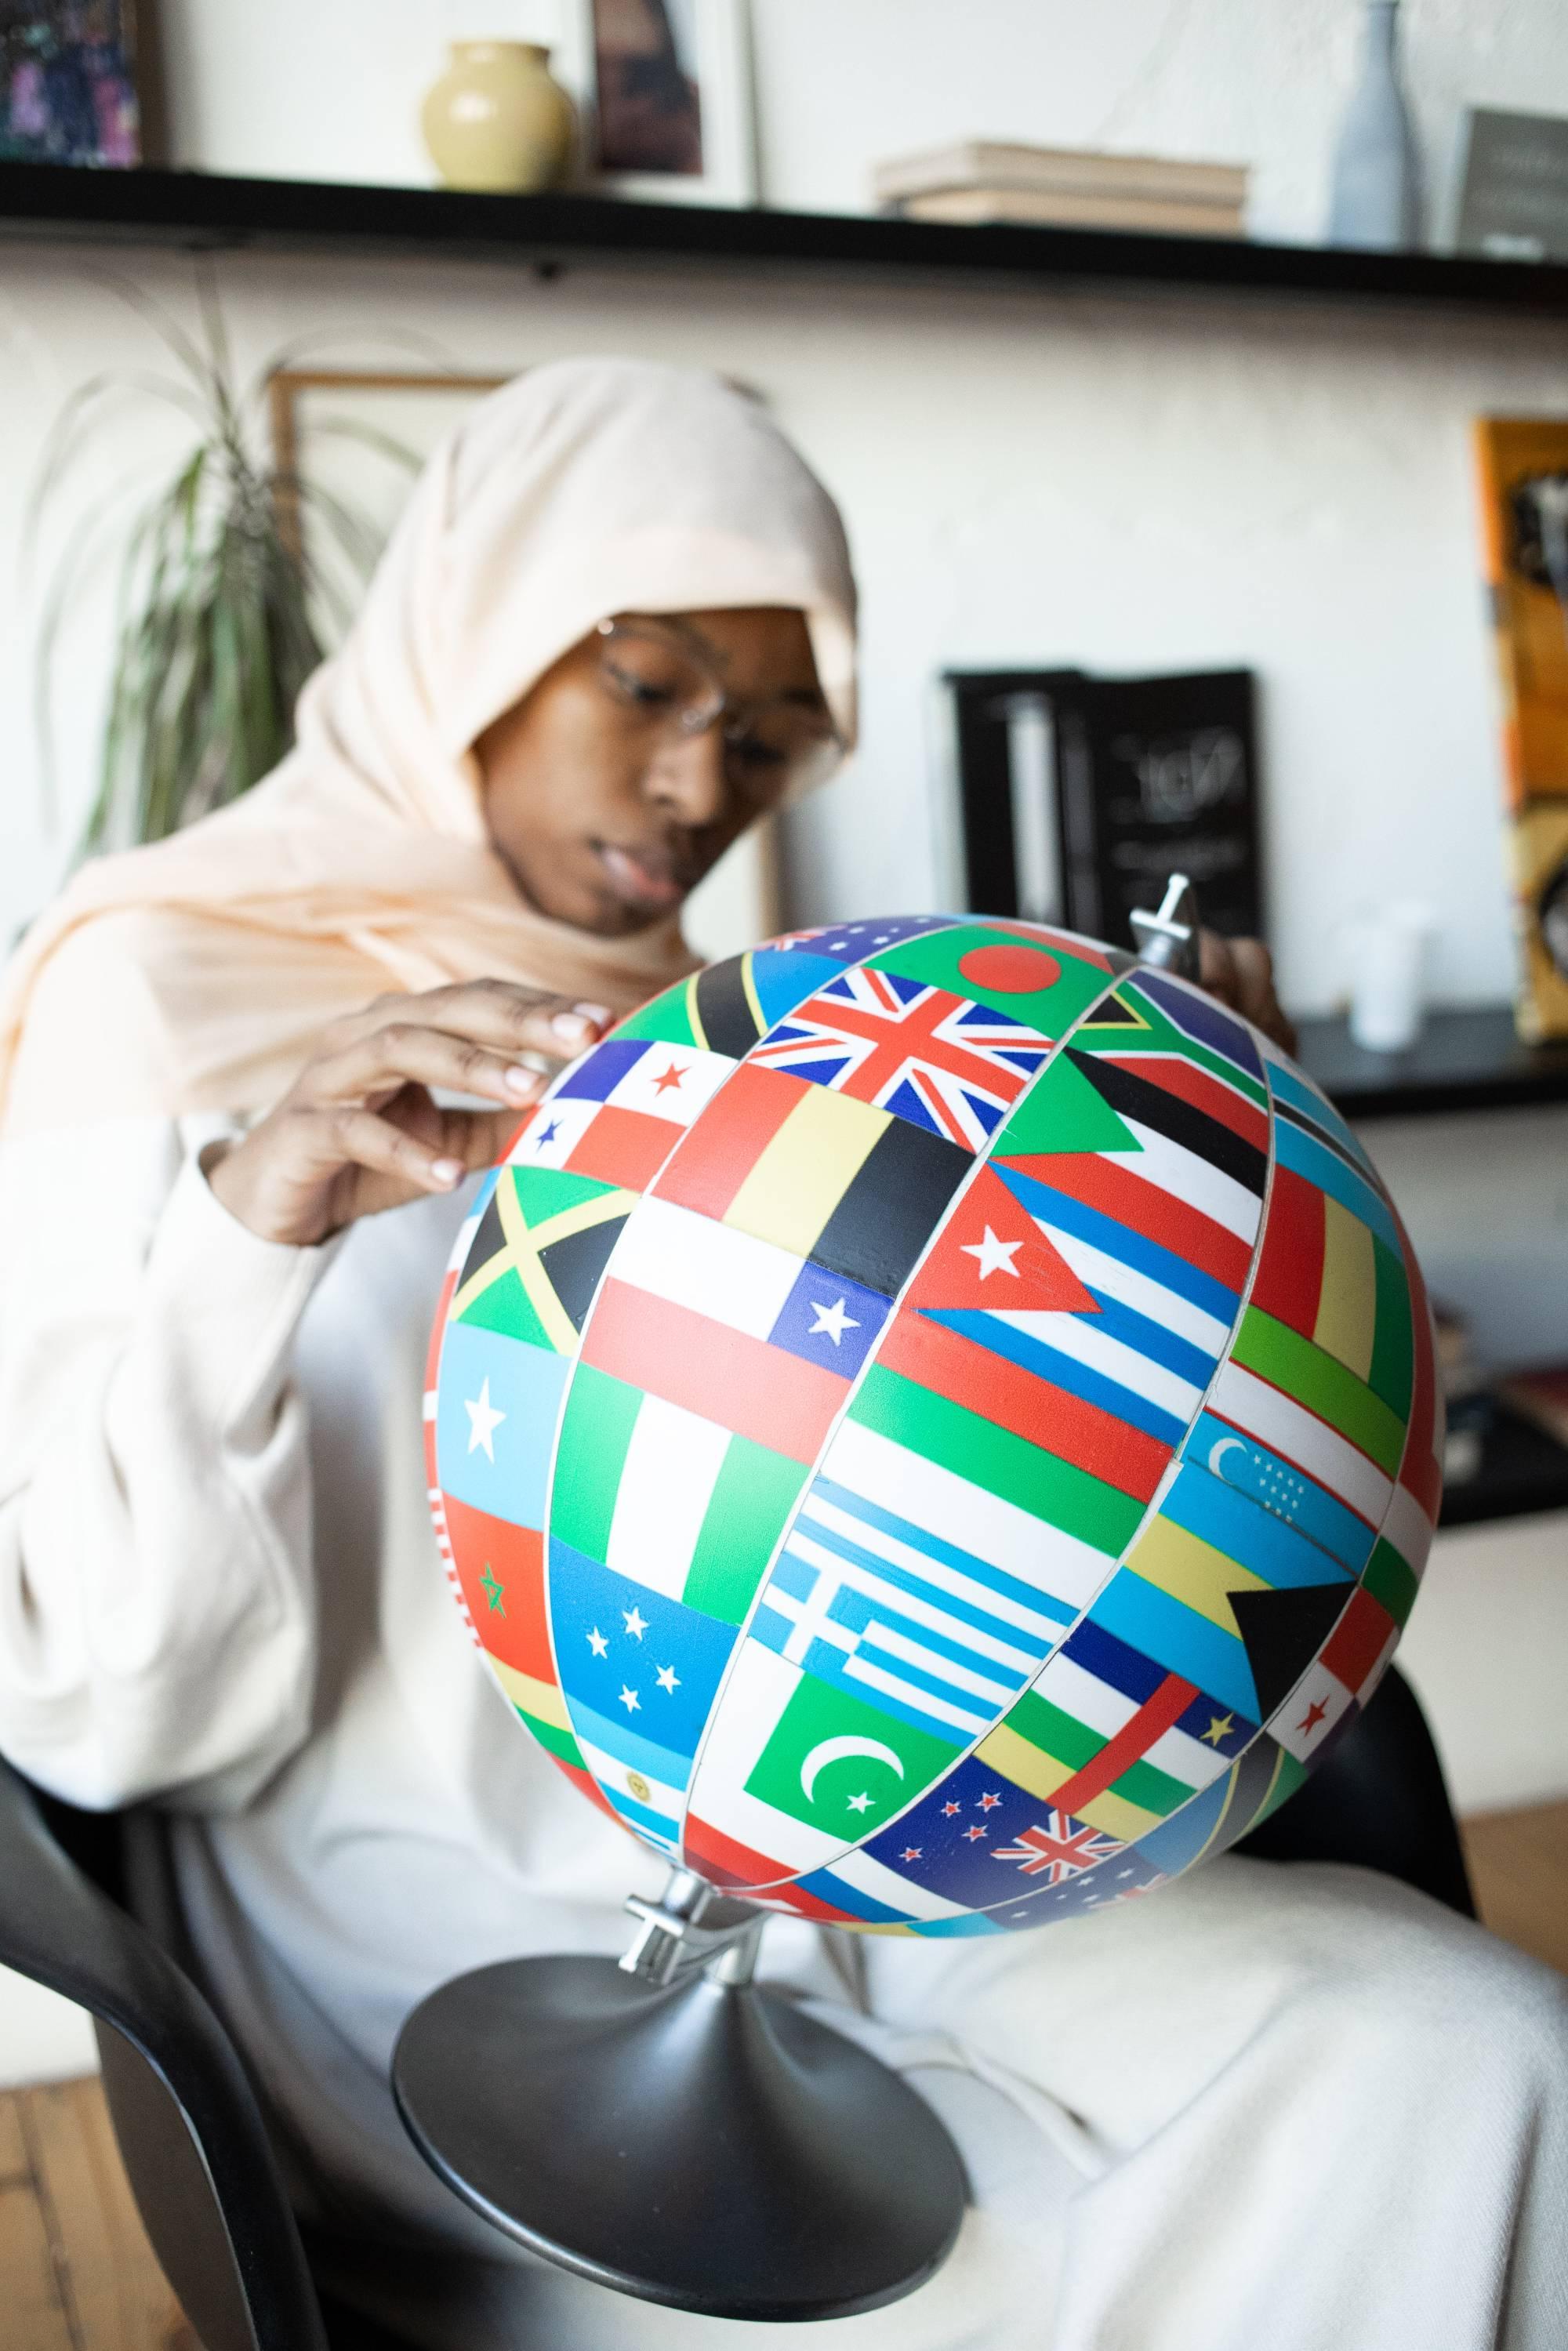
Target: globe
934, 1427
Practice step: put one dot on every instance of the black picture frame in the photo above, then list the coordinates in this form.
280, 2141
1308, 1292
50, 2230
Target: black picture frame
1145, 776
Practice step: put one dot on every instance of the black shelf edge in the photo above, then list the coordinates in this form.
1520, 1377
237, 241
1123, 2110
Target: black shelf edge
1524, 1472
213, 211
1469, 1060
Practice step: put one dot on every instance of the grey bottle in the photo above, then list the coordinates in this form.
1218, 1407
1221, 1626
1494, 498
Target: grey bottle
1375, 198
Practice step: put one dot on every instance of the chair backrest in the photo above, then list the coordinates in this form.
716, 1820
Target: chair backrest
195, 2148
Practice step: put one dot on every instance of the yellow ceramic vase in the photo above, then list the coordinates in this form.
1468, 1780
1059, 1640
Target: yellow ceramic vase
497, 120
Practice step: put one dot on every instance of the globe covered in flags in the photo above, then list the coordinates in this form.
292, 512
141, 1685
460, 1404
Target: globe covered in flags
934, 1425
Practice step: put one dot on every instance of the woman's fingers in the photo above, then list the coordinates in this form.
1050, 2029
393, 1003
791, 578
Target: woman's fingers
1257, 998
356, 1137
1240, 973
490, 1012
407, 1050
1217, 968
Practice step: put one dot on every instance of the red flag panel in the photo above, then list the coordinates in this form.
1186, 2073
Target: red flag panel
501, 1569
720, 1151
991, 1254
1290, 1265
765, 1392
1066, 1426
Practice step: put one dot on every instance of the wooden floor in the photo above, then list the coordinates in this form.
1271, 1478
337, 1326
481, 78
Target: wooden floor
76, 2272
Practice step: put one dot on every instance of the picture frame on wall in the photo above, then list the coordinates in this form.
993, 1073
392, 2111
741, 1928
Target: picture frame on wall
663, 91
335, 428
1073, 798
69, 83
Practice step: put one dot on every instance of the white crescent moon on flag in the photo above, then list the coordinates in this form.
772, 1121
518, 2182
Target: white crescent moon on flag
834, 1750
1218, 1451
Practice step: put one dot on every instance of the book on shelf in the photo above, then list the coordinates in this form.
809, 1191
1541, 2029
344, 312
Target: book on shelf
995, 164
1078, 796
1061, 208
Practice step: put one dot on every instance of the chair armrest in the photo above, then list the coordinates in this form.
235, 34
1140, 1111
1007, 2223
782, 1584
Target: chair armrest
195, 2148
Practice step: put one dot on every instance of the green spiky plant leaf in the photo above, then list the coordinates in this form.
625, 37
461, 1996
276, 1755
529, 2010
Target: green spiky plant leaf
234, 578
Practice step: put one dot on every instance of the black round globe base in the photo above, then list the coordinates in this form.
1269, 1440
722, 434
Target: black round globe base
703, 2144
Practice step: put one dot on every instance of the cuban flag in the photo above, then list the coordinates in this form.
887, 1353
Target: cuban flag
937, 1060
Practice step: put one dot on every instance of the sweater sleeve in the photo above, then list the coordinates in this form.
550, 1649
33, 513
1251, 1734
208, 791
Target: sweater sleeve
157, 1608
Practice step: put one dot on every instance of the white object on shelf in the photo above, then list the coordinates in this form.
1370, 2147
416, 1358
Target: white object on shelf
1388, 989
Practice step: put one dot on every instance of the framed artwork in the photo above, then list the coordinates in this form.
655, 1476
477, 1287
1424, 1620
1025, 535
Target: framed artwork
360, 437
1523, 463
663, 90
67, 83
1073, 798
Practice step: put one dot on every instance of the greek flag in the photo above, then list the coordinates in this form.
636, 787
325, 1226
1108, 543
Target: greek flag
913, 1625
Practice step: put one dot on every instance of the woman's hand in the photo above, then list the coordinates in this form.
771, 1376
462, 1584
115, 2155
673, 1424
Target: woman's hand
1240, 973
358, 1131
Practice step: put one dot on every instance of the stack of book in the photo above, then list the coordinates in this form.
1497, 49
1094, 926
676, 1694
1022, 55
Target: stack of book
989, 180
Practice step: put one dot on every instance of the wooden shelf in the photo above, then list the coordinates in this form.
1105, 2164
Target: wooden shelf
1468, 1061
207, 211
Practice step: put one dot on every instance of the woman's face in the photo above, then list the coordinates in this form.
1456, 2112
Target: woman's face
605, 807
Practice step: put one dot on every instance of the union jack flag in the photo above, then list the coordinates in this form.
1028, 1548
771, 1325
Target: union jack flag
1057, 1848
938, 1060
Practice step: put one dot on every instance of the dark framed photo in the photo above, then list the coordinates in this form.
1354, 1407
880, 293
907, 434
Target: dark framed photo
665, 91
68, 89
1073, 798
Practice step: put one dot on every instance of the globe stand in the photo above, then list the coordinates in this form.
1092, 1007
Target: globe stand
665, 2126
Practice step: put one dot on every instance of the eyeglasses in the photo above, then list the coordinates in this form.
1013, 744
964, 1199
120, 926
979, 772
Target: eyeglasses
660, 676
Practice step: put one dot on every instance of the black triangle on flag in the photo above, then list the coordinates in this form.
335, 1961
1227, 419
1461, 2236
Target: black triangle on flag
1283, 1631
575, 1262
1112, 1012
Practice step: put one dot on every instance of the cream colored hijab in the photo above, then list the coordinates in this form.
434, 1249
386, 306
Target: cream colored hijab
196, 974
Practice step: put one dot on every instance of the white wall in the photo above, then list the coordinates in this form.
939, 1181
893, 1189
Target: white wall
42, 2037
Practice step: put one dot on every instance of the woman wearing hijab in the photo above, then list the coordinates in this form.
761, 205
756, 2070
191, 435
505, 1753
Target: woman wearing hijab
1298, 2107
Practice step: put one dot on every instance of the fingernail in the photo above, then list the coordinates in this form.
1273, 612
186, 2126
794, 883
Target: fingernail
447, 1172
598, 1013
521, 1084
571, 1027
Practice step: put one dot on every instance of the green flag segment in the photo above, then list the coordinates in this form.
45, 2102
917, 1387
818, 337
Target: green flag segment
842, 1766
1321, 1381
970, 1447
937, 956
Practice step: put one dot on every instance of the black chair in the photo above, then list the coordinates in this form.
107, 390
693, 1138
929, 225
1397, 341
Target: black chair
189, 2127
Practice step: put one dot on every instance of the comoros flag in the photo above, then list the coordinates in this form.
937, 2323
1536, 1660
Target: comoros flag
934, 1428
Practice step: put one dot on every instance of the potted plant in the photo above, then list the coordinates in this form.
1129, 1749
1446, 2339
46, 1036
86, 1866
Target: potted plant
233, 580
